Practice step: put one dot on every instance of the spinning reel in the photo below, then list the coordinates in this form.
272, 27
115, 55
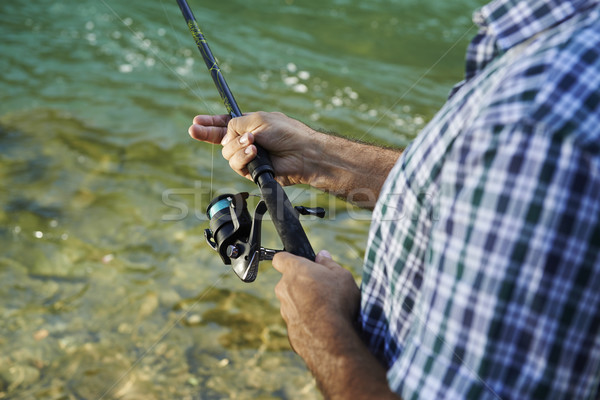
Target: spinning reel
236, 236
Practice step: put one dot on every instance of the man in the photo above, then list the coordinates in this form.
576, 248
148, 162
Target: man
482, 273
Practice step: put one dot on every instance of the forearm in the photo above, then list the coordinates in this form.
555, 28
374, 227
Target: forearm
345, 369
319, 301
350, 170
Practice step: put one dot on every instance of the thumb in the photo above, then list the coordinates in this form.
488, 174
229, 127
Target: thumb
324, 258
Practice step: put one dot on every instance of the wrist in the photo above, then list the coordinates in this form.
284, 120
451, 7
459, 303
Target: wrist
344, 368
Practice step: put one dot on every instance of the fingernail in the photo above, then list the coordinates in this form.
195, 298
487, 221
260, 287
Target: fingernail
244, 139
225, 140
324, 254
248, 150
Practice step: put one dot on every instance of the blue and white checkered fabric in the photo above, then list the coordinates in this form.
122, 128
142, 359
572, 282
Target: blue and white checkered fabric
482, 274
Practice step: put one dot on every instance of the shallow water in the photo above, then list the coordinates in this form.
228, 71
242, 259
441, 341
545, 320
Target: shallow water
108, 289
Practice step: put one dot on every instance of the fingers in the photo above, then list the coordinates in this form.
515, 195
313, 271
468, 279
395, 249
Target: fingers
209, 128
307, 286
240, 160
212, 120
236, 145
239, 152
284, 262
209, 134
238, 127
323, 257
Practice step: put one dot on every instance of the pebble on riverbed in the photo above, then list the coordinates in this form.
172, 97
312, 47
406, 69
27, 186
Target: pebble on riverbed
41, 334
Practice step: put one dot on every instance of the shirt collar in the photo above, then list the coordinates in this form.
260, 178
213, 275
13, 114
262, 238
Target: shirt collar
514, 21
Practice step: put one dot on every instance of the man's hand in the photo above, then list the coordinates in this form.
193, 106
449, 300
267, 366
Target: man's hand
286, 139
316, 299
319, 303
351, 170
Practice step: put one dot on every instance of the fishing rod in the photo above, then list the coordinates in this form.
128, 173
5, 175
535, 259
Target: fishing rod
233, 233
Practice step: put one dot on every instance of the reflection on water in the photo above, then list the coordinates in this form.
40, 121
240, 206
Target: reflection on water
108, 290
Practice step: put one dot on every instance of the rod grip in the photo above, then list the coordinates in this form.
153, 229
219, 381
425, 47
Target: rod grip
260, 164
285, 218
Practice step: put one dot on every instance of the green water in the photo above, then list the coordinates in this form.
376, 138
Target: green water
107, 289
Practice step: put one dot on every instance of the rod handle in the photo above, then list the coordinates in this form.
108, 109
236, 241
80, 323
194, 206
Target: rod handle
285, 218
260, 164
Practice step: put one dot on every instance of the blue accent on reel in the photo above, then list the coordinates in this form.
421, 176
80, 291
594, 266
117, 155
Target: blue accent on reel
218, 206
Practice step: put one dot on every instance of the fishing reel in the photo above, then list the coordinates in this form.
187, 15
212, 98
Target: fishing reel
236, 236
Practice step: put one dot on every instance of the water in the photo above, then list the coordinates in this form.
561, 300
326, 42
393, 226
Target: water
108, 290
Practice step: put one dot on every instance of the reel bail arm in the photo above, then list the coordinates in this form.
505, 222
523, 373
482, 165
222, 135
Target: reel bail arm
237, 237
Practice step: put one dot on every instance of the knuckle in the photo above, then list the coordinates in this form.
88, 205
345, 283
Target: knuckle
233, 126
280, 290
233, 164
225, 153
261, 116
238, 160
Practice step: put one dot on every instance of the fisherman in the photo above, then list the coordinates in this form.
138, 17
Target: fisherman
481, 276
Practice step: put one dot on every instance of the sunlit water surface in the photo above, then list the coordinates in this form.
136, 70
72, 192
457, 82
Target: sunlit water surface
107, 287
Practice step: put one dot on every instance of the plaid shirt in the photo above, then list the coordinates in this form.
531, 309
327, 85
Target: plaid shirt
482, 273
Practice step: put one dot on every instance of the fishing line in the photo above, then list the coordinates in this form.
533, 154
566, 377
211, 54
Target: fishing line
197, 81
168, 328
212, 168
241, 247
181, 79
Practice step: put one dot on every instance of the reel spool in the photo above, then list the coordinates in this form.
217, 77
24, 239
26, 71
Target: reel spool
236, 236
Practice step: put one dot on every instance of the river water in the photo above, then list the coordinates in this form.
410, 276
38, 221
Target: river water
107, 287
